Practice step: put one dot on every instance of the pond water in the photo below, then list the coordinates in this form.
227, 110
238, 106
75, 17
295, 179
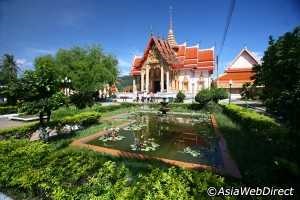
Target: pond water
176, 137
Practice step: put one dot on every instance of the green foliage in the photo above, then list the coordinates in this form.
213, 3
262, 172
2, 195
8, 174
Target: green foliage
203, 97
40, 88
246, 93
88, 68
82, 99
218, 94
250, 119
180, 97
250, 91
84, 118
264, 156
8, 69
8, 110
213, 94
279, 73
43, 171
8, 77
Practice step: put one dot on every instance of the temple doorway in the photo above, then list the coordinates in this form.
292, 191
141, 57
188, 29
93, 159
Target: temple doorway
156, 86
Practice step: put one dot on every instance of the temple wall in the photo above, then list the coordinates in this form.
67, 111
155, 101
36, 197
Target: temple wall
189, 80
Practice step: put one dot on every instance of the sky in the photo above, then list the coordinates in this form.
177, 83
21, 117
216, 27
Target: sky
31, 28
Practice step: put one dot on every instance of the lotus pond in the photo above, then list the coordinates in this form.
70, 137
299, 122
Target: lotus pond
177, 137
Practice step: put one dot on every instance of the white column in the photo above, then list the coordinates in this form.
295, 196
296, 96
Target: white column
142, 81
180, 85
168, 81
133, 85
161, 78
147, 79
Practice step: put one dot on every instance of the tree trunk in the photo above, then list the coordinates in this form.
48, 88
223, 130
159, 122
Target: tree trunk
48, 115
41, 116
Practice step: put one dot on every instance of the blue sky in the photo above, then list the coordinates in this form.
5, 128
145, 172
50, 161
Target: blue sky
30, 28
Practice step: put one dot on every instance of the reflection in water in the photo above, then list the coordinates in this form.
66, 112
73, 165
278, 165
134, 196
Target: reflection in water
183, 138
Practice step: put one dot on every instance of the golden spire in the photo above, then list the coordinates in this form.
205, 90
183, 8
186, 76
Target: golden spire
171, 36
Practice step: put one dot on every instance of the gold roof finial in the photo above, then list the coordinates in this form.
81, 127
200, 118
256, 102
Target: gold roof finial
171, 36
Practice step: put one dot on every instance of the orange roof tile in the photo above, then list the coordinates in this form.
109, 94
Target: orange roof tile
191, 53
236, 76
179, 57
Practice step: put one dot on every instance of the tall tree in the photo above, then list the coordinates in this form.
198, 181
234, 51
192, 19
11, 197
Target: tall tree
280, 75
89, 69
40, 89
8, 69
8, 77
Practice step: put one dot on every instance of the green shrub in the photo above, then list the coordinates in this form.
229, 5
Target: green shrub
194, 106
82, 99
203, 97
213, 94
180, 97
41, 171
249, 119
84, 118
218, 94
8, 110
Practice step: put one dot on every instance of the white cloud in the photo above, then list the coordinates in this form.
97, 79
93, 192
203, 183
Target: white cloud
21, 61
23, 64
41, 51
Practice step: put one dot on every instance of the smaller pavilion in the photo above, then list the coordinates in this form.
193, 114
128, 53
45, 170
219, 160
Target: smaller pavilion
238, 72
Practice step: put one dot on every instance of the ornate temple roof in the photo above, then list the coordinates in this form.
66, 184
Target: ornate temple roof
177, 56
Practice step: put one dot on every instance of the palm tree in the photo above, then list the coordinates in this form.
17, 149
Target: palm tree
8, 69
8, 78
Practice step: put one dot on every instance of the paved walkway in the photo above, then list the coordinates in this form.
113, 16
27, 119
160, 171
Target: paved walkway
4, 197
7, 123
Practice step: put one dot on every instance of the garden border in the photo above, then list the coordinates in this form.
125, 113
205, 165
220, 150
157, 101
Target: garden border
230, 166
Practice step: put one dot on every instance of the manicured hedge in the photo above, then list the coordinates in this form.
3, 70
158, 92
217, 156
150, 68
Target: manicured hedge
84, 119
42, 171
249, 119
8, 110
112, 107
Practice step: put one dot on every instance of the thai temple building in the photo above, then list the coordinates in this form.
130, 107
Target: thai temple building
238, 72
167, 67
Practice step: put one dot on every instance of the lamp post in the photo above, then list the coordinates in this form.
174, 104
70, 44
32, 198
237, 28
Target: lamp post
230, 84
66, 84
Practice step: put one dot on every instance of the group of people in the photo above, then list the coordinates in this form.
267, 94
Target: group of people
146, 97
